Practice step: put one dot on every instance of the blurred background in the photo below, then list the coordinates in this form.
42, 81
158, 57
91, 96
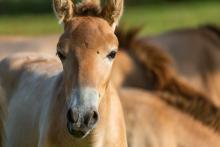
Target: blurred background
35, 17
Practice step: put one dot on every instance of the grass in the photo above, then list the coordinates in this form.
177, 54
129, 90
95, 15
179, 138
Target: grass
165, 17
42, 24
154, 18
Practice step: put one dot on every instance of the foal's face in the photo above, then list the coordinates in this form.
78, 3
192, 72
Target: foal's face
87, 49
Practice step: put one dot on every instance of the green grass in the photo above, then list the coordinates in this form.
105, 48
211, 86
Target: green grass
41, 24
165, 17
154, 18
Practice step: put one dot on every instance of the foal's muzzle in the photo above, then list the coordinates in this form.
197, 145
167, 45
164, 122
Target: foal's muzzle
79, 124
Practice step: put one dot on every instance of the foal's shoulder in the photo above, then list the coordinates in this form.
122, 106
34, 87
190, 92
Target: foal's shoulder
20, 67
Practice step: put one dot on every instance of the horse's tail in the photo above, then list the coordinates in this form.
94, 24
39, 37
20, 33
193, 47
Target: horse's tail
213, 28
2, 115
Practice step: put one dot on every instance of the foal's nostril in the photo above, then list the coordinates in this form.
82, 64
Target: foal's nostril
95, 115
91, 119
72, 116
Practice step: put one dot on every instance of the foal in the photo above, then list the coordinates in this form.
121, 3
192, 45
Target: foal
51, 107
156, 73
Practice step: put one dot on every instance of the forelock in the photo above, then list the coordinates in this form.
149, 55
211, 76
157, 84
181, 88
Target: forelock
88, 9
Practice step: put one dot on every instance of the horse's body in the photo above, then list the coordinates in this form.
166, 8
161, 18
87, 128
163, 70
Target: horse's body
153, 123
195, 52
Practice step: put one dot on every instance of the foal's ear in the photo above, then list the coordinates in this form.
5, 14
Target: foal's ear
63, 9
113, 11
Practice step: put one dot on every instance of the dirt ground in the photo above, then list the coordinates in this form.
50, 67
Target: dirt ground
11, 45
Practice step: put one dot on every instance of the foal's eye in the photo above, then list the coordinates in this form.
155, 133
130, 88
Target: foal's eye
61, 56
111, 55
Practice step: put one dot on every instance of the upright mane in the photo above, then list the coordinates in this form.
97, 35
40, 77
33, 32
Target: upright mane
156, 63
213, 28
126, 37
87, 9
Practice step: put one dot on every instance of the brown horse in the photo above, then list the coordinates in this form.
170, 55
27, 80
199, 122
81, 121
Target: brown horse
150, 67
49, 105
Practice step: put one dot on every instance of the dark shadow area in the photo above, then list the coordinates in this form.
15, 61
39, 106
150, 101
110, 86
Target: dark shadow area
24, 7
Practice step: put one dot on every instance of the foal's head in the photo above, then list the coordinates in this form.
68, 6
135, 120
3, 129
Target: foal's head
87, 49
